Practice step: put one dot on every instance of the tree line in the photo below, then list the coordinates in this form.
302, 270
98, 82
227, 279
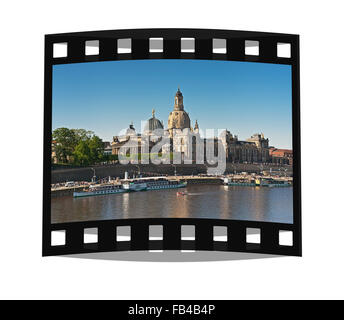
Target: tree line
78, 147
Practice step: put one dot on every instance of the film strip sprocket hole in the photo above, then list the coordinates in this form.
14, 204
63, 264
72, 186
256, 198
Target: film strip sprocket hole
185, 234
152, 44
173, 234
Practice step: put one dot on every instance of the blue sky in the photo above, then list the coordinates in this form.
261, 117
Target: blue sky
244, 97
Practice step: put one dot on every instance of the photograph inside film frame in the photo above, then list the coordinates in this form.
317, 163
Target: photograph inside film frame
171, 139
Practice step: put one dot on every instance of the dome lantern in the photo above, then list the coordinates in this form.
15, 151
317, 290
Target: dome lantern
196, 129
153, 124
178, 101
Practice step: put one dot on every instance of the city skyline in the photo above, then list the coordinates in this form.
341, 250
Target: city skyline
243, 97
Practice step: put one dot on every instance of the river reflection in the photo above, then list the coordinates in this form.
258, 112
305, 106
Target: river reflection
202, 201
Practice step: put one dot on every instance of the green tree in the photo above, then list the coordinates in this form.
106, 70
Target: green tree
65, 143
96, 147
82, 134
77, 146
82, 154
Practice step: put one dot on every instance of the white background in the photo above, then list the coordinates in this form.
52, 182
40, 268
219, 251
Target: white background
25, 274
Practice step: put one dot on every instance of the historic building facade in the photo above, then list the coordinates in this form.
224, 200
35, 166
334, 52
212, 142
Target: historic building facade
138, 143
130, 139
184, 139
281, 156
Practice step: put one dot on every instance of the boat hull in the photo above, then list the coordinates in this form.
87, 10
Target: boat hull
97, 193
231, 184
177, 186
269, 185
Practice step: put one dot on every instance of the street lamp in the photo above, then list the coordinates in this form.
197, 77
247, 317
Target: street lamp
138, 171
175, 170
94, 175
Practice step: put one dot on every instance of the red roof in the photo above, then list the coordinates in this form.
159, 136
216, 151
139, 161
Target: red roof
281, 152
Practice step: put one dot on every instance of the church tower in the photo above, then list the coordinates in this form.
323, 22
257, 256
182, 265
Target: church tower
178, 101
178, 118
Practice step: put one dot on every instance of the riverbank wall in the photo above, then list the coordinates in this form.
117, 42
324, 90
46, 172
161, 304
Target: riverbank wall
215, 181
118, 170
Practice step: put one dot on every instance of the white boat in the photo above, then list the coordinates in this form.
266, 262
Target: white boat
258, 182
98, 190
245, 182
163, 183
272, 183
152, 183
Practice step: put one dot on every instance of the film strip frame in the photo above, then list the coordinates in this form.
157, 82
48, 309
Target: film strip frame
203, 48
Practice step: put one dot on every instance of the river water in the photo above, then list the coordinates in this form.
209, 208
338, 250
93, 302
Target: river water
202, 201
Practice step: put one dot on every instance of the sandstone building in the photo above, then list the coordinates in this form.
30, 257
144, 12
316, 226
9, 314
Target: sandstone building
281, 156
183, 138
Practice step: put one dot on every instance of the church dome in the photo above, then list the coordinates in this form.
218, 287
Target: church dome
153, 124
178, 120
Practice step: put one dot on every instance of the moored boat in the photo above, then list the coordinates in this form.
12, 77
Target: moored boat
159, 183
239, 182
271, 183
258, 182
152, 183
98, 190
